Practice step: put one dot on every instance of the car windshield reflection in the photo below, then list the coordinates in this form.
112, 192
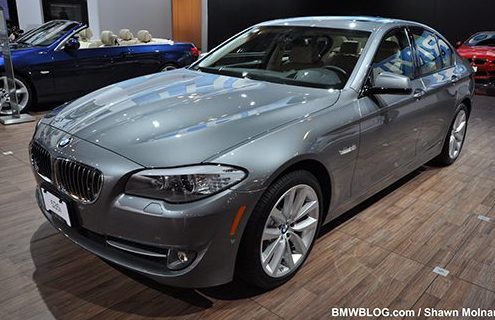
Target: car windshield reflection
47, 33
303, 56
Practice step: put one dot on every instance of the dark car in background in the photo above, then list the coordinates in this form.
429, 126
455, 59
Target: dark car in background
58, 61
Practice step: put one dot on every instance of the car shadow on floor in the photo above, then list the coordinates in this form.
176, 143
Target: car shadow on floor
61, 268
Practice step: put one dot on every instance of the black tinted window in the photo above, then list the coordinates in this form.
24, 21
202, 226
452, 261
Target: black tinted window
482, 39
446, 53
427, 50
394, 55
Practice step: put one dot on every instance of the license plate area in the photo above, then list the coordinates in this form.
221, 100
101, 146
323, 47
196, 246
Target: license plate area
56, 206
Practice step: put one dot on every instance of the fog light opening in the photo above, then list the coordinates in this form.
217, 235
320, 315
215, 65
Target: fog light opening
180, 259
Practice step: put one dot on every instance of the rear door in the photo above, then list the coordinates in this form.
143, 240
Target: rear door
437, 73
390, 123
143, 59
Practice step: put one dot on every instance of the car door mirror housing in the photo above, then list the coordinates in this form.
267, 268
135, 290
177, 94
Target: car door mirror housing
72, 44
390, 83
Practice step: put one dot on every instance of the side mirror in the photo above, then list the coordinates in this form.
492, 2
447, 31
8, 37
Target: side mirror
72, 44
390, 83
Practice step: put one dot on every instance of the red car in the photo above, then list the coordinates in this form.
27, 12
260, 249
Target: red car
480, 51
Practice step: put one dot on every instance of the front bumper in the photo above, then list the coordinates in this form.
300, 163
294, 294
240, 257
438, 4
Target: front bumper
207, 234
202, 227
485, 74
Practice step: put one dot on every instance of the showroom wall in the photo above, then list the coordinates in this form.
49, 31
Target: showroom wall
456, 19
154, 15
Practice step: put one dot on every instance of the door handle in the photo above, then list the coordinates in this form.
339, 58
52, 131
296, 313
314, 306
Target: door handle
419, 93
454, 79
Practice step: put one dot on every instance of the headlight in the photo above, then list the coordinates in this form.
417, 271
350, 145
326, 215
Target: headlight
183, 184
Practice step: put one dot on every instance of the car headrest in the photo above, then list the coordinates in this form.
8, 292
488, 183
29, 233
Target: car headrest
108, 38
303, 53
349, 47
387, 49
144, 36
86, 34
126, 34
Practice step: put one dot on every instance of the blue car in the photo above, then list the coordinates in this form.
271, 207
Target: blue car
59, 61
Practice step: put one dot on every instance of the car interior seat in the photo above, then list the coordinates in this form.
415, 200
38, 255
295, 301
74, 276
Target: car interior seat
85, 38
86, 34
386, 58
347, 57
108, 38
303, 55
127, 38
144, 36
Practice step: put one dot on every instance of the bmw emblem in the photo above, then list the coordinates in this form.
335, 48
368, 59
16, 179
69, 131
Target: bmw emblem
64, 142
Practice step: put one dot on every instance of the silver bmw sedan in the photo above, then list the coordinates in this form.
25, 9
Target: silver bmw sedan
231, 166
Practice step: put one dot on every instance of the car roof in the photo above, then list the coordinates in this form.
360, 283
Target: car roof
362, 23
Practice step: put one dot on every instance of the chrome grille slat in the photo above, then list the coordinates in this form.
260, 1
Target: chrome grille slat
78, 180
74, 180
41, 161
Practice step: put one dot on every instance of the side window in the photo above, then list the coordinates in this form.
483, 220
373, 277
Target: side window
427, 51
394, 55
446, 53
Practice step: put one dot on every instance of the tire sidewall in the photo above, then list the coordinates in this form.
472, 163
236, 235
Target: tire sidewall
249, 260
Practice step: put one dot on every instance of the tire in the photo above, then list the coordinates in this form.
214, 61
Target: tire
25, 96
455, 138
168, 67
252, 247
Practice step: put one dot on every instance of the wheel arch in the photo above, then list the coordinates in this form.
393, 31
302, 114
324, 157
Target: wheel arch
29, 82
468, 103
316, 168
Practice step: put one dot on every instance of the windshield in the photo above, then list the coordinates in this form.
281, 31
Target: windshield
304, 56
47, 33
482, 39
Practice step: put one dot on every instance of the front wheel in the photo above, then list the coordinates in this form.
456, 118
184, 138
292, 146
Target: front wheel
281, 230
455, 138
23, 92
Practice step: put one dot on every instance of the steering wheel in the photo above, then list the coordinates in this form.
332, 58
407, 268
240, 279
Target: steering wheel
338, 69
341, 73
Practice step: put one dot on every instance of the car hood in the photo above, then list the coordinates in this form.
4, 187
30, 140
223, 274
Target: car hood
184, 117
479, 52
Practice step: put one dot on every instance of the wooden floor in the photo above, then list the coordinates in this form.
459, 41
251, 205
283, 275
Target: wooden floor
381, 254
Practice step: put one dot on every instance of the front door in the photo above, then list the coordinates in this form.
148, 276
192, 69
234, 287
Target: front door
77, 72
437, 72
389, 123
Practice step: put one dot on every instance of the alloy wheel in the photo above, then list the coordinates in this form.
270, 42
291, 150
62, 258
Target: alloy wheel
457, 135
21, 91
289, 231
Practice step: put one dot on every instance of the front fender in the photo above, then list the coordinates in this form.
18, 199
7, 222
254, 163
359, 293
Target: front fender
321, 137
